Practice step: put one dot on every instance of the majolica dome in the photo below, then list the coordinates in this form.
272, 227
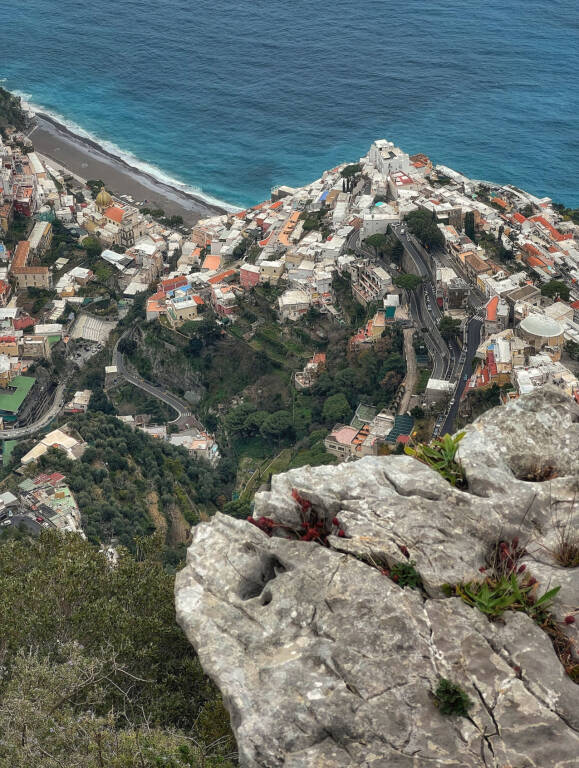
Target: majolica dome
103, 199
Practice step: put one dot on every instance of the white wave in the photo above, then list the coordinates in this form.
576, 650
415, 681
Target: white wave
128, 157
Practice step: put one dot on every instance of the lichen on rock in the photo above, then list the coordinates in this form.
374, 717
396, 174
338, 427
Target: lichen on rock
324, 661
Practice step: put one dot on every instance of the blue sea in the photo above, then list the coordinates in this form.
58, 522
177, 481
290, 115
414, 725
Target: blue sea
231, 97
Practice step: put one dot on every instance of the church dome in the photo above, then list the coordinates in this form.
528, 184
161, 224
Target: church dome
103, 199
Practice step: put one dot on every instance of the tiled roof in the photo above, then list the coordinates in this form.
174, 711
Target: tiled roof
114, 213
492, 309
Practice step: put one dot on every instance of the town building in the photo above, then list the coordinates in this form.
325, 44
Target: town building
40, 238
293, 304
28, 276
369, 282
73, 446
308, 376
542, 334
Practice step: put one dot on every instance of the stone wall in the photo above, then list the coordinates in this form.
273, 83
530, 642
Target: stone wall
325, 661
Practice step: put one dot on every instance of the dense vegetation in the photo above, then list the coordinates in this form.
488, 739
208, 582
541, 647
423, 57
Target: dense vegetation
423, 224
568, 214
127, 484
241, 375
11, 113
556, 289
95, 671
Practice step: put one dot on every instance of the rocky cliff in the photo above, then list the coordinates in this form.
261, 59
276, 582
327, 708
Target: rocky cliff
323, 660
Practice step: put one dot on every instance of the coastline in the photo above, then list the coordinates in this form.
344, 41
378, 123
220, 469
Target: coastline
86, 159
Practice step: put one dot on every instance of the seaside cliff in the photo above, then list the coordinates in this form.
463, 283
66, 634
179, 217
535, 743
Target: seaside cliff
323, 660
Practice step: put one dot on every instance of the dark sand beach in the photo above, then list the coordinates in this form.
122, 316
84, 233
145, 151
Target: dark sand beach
87, 160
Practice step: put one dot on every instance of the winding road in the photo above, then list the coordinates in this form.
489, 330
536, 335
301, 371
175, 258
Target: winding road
42, 422
179, 406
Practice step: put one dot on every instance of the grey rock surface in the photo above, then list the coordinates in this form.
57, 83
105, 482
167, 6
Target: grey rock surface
324, 661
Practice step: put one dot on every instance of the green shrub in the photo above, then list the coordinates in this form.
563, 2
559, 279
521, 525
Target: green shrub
495, 596
406, 575
451, 699
440, 455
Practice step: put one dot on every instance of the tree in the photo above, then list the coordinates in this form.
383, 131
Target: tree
423, 224
469, 227
208, 330
378, 242
236, 419
555, 289
92, 246
351, 170
100, 402
448, 326
127, 346
336, 409
95, 668
409, 282
572, 349
277, 425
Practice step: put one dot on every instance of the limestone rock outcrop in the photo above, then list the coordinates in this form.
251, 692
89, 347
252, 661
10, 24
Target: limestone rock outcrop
324, 661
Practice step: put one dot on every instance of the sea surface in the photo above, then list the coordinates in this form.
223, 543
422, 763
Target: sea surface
231, 97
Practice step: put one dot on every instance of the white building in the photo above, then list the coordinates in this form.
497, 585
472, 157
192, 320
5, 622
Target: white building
293, 304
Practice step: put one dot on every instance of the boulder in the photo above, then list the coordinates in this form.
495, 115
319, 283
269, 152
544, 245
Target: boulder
323, 660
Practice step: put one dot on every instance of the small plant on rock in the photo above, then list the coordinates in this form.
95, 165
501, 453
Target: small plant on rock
566, 551
440, 454
405, 575
451, 699
507, 593
313, 525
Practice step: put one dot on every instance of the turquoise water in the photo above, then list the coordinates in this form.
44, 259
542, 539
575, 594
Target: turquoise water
232, 97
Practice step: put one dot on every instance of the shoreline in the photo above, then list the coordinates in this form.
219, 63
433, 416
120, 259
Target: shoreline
86, 159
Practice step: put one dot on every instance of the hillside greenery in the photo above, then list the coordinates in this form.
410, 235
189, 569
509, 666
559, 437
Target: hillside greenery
423, 224
95, 670
241, 377
128, 484
11, 113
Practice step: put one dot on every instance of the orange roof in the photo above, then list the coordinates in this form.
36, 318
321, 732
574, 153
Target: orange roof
535, 261
519, 218
501, 202
21, 254
319, 357
197, 299
172, 283
529, 248
221, 276
288, 228
212, 261
555, 234
492, 309
114, 213
155, 306
4, 286
264, 242
276, 205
